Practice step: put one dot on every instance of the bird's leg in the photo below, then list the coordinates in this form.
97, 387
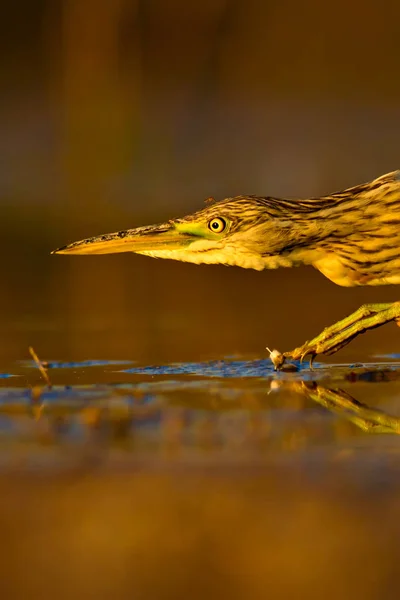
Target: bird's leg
335, 337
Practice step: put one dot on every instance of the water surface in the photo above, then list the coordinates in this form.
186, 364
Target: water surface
125, 476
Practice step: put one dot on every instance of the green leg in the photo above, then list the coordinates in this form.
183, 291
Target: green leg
337, 336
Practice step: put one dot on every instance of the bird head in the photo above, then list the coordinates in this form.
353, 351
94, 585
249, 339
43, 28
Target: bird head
350, 236
240, 231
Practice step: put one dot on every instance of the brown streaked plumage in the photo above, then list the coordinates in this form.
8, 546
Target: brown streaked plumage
352, 237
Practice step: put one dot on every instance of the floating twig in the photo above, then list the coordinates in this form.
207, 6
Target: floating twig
40, 366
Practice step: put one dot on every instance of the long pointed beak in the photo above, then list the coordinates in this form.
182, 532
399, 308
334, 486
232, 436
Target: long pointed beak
142, 239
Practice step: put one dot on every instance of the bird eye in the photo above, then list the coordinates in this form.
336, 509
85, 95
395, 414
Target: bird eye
217, 225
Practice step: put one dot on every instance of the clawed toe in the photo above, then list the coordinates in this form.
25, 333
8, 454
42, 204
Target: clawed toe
337, 336
311, 353
312, 350
301, 353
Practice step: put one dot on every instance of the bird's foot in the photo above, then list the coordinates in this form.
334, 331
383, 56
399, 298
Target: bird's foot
335, 337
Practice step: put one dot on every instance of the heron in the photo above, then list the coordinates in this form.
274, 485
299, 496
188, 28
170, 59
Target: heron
352, 237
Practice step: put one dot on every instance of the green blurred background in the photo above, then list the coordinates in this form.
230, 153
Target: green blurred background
119, 113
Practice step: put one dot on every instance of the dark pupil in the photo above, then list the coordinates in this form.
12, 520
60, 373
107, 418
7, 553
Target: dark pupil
215, 225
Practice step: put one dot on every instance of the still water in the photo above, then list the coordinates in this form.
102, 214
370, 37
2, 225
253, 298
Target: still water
204, 479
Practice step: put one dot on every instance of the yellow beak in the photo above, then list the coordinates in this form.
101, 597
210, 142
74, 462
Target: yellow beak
164, 236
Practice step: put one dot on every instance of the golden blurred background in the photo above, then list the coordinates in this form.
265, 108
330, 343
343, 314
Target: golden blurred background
120, 113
